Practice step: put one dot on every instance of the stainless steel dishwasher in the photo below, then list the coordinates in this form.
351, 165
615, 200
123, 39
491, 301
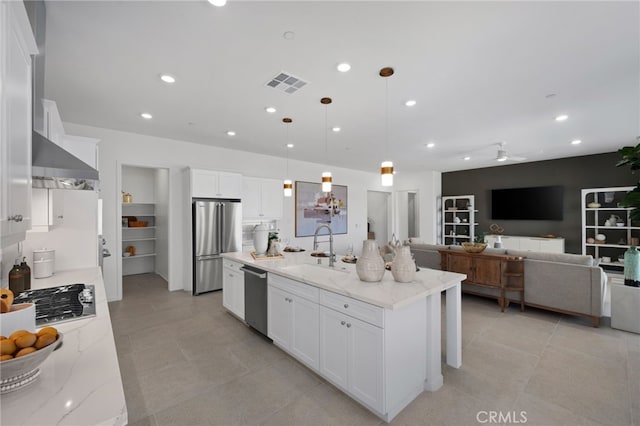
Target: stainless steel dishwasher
255, 298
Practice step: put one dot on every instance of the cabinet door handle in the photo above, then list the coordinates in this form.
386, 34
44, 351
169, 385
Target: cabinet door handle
348, 325
342, 323
346, 306
15, 218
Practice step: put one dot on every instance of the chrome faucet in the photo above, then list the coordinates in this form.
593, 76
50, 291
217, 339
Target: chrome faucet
315, 243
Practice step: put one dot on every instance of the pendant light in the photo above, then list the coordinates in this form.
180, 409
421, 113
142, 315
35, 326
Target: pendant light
386, 168
326, 176
288, 185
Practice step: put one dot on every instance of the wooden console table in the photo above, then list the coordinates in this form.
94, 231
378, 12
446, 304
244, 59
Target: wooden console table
500, 272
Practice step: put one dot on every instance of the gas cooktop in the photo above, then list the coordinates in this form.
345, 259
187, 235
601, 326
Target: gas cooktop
60, 304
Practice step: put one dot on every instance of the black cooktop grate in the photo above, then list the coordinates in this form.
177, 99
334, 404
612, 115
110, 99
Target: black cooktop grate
59, 304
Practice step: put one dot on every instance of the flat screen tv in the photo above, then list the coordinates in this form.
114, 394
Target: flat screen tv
537, 203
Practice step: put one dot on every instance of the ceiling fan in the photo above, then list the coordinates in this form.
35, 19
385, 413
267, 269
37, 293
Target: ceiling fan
502, 154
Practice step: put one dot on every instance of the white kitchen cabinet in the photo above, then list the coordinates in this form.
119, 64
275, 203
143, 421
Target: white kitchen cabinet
233, 288
47, 207
351, 356
261, 198
17, 44
293, 320
375, 355
214, 184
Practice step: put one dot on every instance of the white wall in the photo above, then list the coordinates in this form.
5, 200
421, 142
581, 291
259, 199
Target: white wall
377, 210
428, 185
140, 183
117, 148
75, 240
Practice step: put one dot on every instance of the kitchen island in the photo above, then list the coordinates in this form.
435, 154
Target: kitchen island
80, 382
378, 342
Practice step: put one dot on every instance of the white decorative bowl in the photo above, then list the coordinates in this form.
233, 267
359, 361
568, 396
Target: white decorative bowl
21, 317
19, 372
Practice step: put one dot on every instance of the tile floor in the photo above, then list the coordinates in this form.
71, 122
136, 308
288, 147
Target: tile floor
185, 361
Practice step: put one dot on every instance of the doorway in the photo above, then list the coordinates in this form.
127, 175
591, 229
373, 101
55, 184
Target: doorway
144, 228
408, 214
378, 217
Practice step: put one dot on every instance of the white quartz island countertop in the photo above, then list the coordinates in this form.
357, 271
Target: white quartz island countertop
80, 383
344, 280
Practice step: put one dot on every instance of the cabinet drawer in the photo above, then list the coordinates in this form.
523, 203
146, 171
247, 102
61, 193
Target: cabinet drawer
235, 266
355, 308
294, 287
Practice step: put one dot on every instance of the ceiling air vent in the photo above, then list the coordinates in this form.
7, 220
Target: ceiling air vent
286, 82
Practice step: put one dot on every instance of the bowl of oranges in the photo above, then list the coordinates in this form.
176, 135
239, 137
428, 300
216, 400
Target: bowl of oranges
22, 352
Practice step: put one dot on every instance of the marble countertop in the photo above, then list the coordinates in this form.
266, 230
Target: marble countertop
343, 279
80, 383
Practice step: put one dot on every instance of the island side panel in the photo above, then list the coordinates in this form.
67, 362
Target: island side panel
454, 325
433, 377
405, 344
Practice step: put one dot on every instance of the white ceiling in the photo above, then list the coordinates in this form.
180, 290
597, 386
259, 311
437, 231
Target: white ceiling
481, 73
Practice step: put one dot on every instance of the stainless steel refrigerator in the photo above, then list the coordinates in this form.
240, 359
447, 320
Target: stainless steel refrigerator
217, 228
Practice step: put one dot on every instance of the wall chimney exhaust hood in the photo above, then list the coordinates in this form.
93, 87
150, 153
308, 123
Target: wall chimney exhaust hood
52, 161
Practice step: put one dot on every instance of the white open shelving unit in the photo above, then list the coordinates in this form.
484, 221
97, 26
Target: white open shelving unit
462, 207
618, 237
143, 239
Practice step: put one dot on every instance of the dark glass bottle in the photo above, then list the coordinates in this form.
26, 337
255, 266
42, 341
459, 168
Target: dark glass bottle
16, 278
27, 273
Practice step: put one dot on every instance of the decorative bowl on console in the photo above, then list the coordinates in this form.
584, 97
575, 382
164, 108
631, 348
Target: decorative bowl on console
474, 247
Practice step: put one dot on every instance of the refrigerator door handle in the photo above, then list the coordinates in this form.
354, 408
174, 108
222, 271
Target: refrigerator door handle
207, 257
221, 227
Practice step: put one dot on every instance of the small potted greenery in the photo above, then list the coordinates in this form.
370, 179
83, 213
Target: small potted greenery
631, 157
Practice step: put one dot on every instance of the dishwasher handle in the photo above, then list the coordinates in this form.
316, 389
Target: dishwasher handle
248, 271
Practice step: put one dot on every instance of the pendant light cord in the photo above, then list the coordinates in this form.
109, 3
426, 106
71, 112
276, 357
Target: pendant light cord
386, 122
286, 148
326, 148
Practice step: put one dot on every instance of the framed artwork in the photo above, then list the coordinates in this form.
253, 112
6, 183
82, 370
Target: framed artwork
315, 208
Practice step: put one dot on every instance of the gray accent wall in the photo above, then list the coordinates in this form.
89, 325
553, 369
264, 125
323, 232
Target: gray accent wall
574, 174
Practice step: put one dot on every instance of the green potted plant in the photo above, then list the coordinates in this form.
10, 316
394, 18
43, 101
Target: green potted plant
631, 157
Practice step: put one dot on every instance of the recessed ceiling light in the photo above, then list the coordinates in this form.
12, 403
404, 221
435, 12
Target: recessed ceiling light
562, 117
431, 145
288, 35
218, 2
146, 115
467, 158
336, 129
270, 110
410, 103
231, 133
576, 142
343, 67
290, 145
167, 78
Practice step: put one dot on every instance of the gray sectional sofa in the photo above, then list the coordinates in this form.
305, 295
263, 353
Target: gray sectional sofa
567, 283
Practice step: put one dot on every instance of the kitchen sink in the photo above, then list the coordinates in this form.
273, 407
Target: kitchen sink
307, 270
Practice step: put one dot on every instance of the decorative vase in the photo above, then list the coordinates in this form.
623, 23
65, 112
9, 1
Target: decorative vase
261, 239
370, 266
632, 267
403, 267
498, 242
